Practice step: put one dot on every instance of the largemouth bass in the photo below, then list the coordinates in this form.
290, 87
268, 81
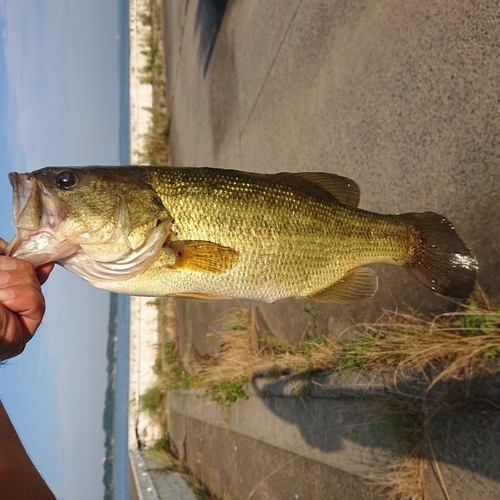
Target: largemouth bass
211, 233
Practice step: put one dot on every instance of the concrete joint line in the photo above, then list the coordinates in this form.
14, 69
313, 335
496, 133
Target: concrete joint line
270, 68
183, 31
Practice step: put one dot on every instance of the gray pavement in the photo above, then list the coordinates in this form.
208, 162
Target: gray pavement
403, 97
150, 479
340, 440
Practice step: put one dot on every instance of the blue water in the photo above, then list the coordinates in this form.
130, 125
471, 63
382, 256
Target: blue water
121, 489
124, 64
122, 386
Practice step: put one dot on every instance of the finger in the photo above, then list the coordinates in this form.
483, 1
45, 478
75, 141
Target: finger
15, 277
43, 271
14, 337
7, 263
27, 303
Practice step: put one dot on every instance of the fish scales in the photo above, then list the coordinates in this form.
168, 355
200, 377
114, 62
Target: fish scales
292, 241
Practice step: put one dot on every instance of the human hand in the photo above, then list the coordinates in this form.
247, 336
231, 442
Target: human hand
21, 302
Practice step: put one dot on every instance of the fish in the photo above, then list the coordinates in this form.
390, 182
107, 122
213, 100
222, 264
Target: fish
208, 233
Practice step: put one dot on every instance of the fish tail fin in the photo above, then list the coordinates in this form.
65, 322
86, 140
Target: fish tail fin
438, 258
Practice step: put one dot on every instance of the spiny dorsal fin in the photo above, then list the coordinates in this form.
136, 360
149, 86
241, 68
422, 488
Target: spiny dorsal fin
203, 256
358, 284
345, 190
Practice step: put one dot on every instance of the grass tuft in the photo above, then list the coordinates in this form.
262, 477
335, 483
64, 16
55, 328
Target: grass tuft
152, 401
170, 464
459, 346
453, 346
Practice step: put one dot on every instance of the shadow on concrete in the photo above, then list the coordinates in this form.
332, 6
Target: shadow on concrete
461, 419
209, 17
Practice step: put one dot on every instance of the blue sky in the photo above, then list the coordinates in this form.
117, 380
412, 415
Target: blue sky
59, 105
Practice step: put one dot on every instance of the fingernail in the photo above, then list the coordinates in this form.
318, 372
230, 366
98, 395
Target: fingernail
6, 264
6, 294
4, 278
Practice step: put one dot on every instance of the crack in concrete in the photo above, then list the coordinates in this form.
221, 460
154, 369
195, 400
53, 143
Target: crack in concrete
270, 68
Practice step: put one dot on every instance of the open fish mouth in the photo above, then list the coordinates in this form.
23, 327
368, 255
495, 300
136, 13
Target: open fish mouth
35, 217
25, 200
27, 205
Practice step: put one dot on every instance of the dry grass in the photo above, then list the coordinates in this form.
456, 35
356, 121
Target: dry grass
406, 479
172, 465
459, 346
453, 346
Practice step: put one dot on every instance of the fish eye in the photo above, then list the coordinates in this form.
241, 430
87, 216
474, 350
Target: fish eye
66, 180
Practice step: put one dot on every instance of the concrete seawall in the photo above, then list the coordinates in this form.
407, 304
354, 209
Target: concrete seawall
143, 315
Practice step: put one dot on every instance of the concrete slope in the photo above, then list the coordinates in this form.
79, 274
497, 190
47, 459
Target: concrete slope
403, 97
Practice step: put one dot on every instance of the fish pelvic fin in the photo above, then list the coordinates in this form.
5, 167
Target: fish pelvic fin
358, 284
438, 257
202, 256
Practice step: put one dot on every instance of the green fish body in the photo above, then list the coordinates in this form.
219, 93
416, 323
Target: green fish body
212, 233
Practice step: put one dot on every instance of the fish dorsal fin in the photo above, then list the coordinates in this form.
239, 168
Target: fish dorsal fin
345, 190
358, 284
202, 256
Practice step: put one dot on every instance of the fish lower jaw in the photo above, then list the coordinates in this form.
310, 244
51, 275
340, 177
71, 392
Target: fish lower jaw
39, 247
121, 267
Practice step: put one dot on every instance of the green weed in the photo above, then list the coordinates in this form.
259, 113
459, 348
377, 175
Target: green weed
151, 401
227, 393
313, 331
162, 444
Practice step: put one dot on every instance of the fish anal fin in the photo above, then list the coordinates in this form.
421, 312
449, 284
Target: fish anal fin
345, 190
203, 256
358, 284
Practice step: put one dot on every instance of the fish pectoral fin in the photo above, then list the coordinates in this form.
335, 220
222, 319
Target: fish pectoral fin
358, 284
203, 256
345, 190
